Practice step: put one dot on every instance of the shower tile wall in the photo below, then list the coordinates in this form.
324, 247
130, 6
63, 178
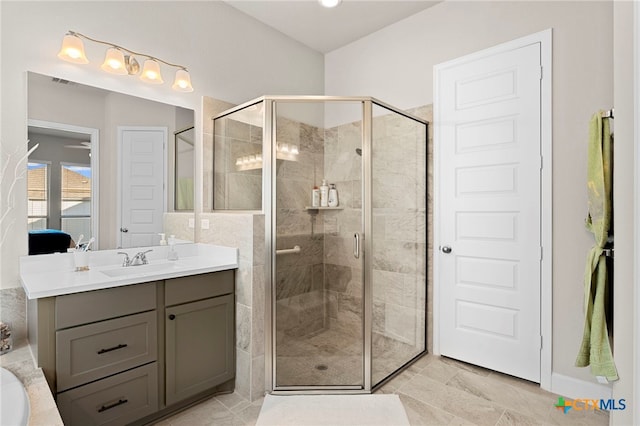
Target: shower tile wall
245, 231
299, 285
210, 108
234, 189
399, 241
343, 272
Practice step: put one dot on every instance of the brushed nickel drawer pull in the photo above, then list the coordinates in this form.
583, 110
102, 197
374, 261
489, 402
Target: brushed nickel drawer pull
114, 405
115, 348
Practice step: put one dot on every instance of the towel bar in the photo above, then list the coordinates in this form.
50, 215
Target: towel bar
295, 249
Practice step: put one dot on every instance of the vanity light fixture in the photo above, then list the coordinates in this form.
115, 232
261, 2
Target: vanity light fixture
329, 3
121, 61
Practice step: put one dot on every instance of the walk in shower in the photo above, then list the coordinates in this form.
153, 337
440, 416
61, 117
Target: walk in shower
346, 285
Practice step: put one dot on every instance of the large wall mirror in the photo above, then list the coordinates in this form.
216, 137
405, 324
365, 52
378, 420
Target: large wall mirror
108, 166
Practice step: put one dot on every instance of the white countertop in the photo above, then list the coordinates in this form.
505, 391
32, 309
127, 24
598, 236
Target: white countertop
54, 274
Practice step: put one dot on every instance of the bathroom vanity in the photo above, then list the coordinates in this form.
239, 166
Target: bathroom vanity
143, 343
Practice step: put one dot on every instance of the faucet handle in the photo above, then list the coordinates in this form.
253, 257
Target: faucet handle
143, 256
126, 261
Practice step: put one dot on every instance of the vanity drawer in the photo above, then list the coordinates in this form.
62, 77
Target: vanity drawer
116, 400
93, 351
83, 308
198, 287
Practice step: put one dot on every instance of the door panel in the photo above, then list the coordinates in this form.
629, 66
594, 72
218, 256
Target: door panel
490, 211
143, 197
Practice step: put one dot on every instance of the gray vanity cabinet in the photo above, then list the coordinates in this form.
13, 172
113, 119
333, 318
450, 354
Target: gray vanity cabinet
199, 334
132, 354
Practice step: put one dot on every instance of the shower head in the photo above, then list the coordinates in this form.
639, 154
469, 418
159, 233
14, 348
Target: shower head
359, 151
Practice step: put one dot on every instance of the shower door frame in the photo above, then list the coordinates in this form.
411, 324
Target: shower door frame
269, 204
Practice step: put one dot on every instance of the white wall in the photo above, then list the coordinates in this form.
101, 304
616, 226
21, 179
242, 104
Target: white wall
229, 55
396, 63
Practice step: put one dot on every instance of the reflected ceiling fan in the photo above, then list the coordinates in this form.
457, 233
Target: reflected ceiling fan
82, 145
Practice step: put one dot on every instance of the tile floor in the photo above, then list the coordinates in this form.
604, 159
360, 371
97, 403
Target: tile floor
434, 391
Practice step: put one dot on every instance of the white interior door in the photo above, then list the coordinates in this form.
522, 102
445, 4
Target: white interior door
489, 153
142, 151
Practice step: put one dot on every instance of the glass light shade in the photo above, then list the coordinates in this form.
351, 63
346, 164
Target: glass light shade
182, 82
151, 72
329, 3
72, 50
114, 62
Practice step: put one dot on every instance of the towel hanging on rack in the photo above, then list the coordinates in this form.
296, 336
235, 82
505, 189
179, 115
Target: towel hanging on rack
595, 349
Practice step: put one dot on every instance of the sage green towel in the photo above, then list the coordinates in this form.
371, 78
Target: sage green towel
184, 194
595, 349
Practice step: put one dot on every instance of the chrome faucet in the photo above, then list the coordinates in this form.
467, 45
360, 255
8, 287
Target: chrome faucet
126, 262
140, 258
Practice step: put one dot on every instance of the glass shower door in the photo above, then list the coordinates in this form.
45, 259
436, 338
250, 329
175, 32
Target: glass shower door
318, 272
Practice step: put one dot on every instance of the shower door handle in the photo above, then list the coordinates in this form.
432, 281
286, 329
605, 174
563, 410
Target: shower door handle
356, 245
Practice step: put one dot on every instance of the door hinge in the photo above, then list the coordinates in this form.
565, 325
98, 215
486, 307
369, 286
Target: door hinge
541, 252
541, 342
540, 73
541, 162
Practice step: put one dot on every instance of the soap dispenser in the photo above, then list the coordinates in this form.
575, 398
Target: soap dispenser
163, 241
333, 196
173, 254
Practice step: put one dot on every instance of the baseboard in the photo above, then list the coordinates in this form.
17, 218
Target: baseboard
575, 388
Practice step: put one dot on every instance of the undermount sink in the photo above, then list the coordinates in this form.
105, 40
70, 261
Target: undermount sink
123, 271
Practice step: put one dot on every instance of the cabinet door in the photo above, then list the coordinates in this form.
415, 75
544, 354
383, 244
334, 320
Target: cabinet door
199, 346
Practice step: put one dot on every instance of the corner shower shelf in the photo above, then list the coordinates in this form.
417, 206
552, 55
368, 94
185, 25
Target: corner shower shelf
323, 208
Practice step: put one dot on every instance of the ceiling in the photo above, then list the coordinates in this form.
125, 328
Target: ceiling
325, 29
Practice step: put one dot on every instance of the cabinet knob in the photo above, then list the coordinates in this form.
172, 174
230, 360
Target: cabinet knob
172, 317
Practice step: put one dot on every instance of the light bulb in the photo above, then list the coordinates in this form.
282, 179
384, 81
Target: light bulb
329, 3
151, 72
182, 82
114, 62
72, 50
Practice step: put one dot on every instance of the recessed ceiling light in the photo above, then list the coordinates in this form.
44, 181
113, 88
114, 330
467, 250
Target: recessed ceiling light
329, 3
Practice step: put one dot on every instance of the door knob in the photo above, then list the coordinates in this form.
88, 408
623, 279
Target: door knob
446, 249
124, 229
172, 317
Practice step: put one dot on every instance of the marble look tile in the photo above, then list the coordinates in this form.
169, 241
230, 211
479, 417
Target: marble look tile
243, 327
13, 308
259, 240
465, 366
243, 374
513, 418
337, 277
177, 223
244, 191
453, 401
512, 398
398, 256
420, 413
439, 371
244, 278
257, 378
258, 311
236, 129
582, 418
232, 400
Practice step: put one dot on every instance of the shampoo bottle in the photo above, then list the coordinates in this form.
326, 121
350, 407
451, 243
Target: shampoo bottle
315, 197
324, 194
333, 196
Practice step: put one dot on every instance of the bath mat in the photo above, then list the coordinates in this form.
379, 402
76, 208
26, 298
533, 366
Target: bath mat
332, 410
